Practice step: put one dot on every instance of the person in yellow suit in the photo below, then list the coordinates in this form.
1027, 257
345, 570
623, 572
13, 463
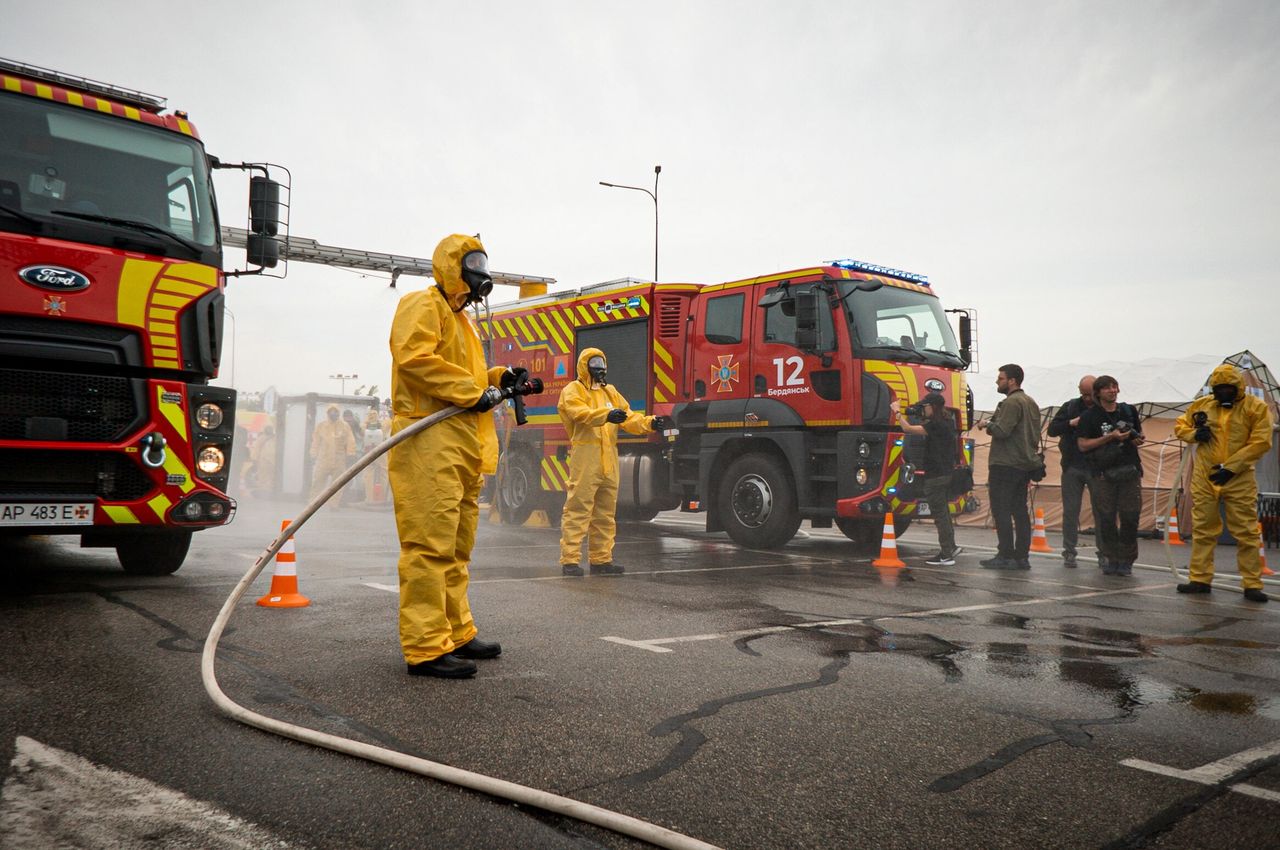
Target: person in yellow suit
437, 363
592, 412
1232, 431
332, 449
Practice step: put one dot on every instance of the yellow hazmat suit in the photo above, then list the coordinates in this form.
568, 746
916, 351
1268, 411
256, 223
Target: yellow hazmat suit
592, 498
332, 448
438, 362
1241, 436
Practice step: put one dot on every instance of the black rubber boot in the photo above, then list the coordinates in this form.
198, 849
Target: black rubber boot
1253, 594
1195, 587
571, 569
609, 569
447, 666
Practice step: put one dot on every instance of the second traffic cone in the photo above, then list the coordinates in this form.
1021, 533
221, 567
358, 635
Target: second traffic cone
284, 581
1262, 553
1174, 538
888, 546
1039, 541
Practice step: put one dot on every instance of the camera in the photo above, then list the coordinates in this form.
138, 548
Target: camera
1124, 427
916, 410
1200, 418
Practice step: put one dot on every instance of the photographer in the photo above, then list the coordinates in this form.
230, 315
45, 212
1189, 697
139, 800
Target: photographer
1109, 435
940, 440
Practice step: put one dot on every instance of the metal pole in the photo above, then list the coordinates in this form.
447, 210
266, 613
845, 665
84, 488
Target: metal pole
657, 169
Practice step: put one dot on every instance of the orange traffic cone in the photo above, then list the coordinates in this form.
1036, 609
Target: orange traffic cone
1039, 542
1262, 553
284, 582
1172, 531
888, 546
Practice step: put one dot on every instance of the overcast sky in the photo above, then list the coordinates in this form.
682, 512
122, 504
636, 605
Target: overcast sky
1100, 180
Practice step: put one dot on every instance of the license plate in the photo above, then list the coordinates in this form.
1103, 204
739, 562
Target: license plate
922, 509
45, 513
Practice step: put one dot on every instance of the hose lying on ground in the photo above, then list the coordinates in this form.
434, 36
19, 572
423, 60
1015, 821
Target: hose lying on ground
624, 824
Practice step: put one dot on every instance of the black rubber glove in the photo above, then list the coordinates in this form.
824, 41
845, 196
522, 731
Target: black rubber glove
1221, 475
1203, 434
514, 376
489, 399
617, 416
661, 423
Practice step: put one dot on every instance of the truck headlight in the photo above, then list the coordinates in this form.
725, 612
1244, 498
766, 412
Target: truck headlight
209, 416
864, 449
210, 460
861, 476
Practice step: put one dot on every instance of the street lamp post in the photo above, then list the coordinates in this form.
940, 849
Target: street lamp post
657, 169
344, 379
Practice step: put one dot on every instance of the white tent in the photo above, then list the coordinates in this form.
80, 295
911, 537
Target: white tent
1160, 380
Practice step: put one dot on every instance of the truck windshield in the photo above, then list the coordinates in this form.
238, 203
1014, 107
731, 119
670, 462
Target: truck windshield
899, 324
73, 174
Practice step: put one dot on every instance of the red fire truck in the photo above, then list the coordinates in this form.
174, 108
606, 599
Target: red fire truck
111, 311
779, 387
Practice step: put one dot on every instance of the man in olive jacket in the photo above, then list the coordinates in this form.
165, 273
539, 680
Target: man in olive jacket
1015, 454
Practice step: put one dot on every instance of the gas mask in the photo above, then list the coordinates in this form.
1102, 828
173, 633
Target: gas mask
1225, 394
475, 274
333, 415
596, 369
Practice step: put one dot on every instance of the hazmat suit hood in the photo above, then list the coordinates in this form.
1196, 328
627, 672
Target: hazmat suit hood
1228, 374
446, 267
584, 374
330, 410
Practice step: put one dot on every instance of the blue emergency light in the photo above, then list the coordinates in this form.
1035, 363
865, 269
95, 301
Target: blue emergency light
871, 268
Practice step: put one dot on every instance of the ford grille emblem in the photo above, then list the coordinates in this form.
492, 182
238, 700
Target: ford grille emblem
55, 278
935, 385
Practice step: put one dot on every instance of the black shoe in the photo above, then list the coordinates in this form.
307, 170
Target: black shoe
1022, 564
1069, 562
476, 649
1195, 587
1109, 568
999, 563
571, 569
1124, 569
609, 569
445, 667
1253, 594
941, 560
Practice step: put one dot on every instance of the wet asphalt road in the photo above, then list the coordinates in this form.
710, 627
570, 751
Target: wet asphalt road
749, 699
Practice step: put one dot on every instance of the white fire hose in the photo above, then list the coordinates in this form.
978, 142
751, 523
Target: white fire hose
585, 812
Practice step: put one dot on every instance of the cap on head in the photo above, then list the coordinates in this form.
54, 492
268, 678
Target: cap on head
935, 399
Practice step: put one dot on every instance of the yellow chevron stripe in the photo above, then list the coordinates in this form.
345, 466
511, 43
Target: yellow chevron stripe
554, 331
174, 413
663, 354
120, 515
587, 318
664, 379
659, 396
159, 505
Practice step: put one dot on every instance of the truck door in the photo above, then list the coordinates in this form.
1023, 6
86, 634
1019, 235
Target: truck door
718, 347
796, 360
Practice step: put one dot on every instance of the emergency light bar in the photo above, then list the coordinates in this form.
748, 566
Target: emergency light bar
129, 97
859, 266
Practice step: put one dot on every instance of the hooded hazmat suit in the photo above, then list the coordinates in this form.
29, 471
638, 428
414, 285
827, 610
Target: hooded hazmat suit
332, 447
592, 496
438, 362
1241, 435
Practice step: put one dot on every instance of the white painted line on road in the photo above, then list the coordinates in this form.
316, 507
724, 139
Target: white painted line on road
1215, 772
658, 644
389, 588
53, 798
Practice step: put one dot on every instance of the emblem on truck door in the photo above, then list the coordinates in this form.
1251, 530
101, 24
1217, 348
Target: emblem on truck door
56, 278
935, 385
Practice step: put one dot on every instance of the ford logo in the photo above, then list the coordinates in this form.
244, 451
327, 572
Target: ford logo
56, 278
935, 385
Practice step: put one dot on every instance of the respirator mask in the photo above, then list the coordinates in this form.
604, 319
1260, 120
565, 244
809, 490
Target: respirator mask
475, 274
1225, 394
596, 369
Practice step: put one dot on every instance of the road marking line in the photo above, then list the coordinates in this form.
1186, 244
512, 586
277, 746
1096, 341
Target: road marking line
1215, 772
657, 644
389, 588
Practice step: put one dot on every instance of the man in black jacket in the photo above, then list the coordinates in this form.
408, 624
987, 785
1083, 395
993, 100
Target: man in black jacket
1076, 475
1110, 434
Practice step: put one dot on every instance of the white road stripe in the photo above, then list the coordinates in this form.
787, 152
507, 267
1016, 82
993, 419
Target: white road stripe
1215, 772
53, 798
656, 644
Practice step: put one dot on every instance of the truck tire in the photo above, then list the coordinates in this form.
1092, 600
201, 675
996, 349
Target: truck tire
757, 502
518, 489
866, 533
154, 554
636, 514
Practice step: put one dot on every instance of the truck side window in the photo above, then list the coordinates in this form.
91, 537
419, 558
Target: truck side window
780, 326
724, 319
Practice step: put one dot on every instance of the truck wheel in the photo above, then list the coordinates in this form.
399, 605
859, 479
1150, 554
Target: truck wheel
634, 514
757, 503
518, 489
866, 533
154, 554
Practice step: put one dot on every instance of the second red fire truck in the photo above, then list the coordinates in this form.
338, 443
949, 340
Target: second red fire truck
779, 387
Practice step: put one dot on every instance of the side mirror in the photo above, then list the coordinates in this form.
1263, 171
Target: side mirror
966, 338
807, 319
264, 206
263, 250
